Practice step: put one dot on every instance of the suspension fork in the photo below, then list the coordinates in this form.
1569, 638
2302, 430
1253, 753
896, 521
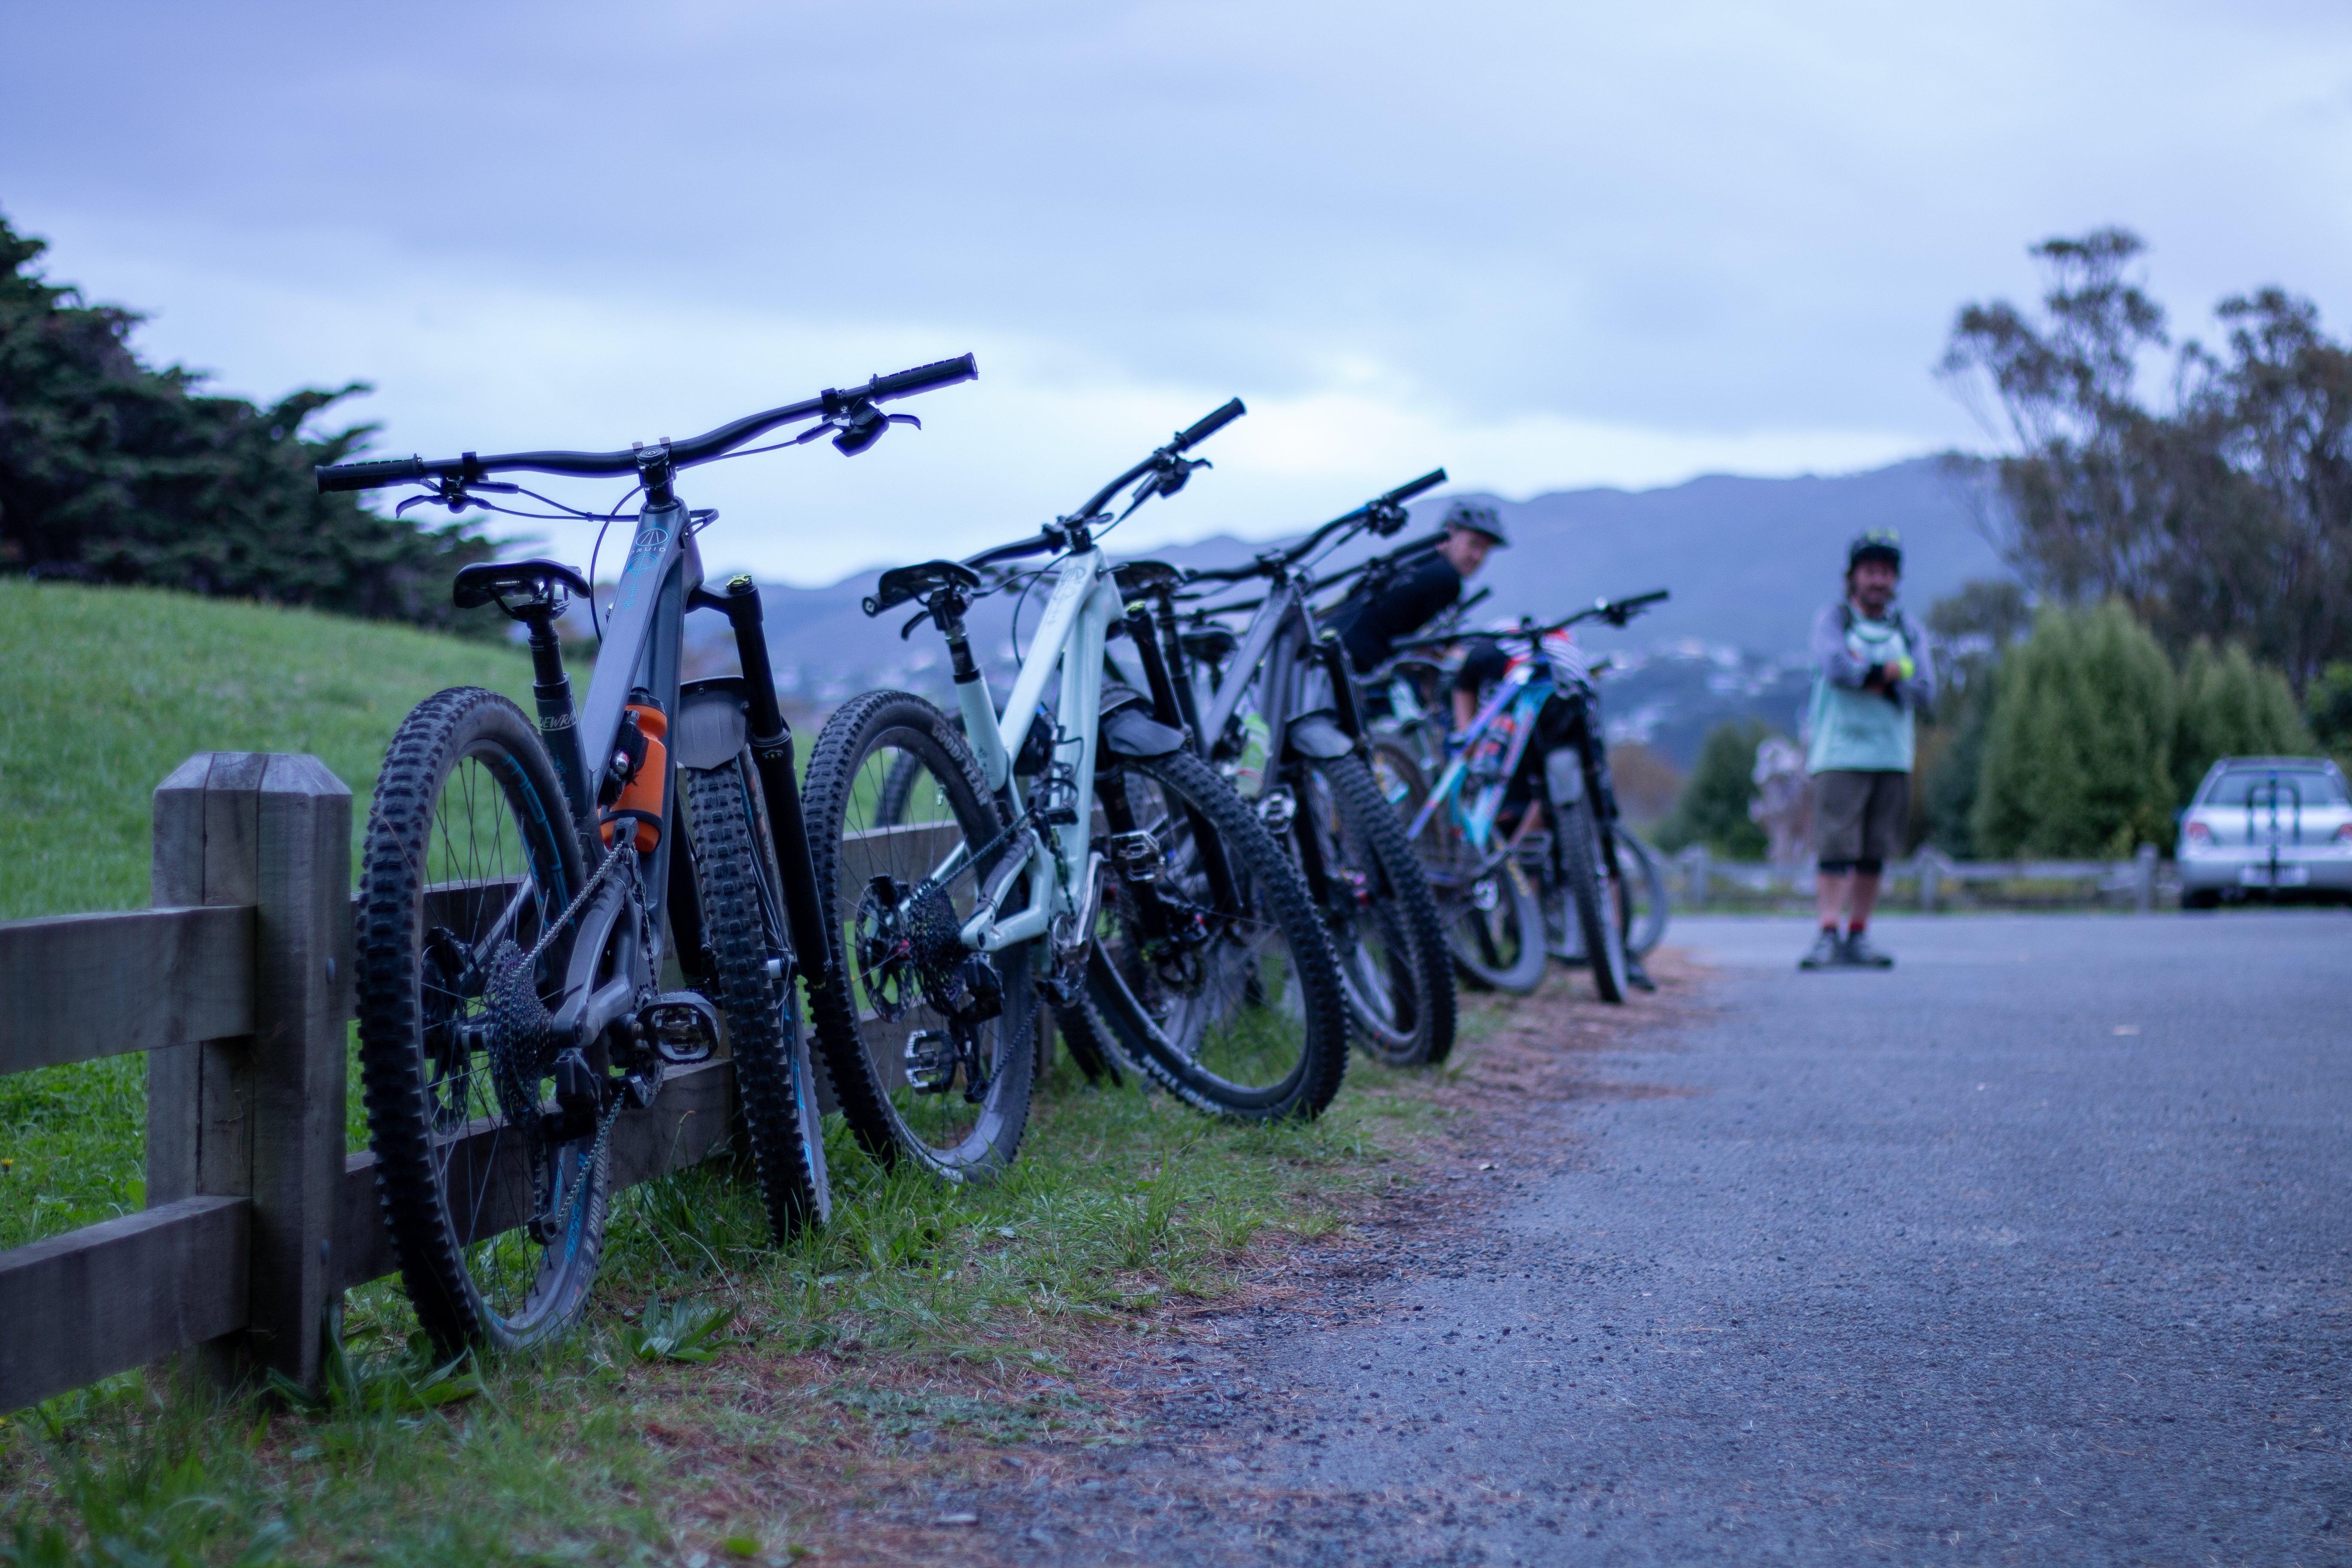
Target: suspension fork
1311, 864
1179, 670
772, 755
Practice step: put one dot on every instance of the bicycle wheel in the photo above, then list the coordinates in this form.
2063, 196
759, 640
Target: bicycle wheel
1592, 896
938, 1064
1394, 962
470, 855
1238, 1008
1642, 892
750, 953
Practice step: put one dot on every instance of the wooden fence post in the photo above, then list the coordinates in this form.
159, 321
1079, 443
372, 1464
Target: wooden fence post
262, 1116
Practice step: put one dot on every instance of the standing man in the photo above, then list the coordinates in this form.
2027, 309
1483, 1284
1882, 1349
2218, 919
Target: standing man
1875, 675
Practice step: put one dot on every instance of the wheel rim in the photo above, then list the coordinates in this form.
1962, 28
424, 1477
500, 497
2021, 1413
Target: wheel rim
1231, 1007
901, 822
492, 876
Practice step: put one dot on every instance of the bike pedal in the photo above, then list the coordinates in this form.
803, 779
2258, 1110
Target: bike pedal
1278, 810
682, 1026
1138, 856
930, 1061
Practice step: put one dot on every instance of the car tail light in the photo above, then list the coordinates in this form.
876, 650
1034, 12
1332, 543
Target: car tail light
2344, 834
2201, 834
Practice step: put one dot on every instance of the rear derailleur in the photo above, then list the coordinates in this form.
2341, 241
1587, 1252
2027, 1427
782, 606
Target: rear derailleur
909, 951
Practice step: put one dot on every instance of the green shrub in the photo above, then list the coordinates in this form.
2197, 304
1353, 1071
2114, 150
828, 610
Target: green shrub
2078, 751
2231, 707
2328, 705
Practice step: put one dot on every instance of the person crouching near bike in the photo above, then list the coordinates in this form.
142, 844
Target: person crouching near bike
1369, 626
1874, 673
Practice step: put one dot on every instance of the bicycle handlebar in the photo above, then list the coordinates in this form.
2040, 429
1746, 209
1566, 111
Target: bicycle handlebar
702, 449
1616, 612
1208, 425
1378, 506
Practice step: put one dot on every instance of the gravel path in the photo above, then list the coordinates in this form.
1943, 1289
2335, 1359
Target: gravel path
2031, 1250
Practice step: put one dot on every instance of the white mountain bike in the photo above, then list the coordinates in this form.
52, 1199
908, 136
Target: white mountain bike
1089, 854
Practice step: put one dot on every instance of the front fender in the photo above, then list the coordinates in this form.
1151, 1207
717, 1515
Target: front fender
1134, 733
1316, 737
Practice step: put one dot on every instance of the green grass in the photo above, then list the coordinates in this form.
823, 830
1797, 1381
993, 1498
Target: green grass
927, 1322
924, 1313
110, 690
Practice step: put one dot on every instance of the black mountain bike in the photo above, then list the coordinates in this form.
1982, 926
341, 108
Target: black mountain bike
524, 886
1285, 686
1530, 792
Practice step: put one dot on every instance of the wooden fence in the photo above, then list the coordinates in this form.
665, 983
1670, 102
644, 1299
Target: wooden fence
1935, 881
236, 986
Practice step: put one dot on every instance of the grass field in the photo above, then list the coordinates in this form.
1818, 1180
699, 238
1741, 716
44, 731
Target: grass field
923, 1313
112, 690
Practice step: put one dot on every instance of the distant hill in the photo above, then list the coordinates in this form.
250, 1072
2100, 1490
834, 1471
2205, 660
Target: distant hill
1749, 561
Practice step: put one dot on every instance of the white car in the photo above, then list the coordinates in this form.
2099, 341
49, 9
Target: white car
2281, 826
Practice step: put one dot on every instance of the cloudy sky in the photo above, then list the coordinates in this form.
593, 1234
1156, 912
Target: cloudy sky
1544, 245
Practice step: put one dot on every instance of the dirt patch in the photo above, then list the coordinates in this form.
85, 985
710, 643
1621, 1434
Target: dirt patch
1125, 1447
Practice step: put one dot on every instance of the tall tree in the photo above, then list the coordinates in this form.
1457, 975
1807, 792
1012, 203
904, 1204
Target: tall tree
2226, 515
114, 472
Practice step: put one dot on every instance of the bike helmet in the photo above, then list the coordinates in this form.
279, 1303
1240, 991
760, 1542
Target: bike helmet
1477, 518
1875, 544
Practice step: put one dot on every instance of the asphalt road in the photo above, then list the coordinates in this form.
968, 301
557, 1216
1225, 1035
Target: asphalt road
2031, 1250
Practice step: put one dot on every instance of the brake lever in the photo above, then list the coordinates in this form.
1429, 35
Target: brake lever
454, 493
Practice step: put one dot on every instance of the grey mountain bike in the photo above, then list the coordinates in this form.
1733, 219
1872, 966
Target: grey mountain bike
1316, 788
525, 885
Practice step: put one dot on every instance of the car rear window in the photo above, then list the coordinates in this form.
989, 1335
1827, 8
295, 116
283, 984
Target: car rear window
2304, 786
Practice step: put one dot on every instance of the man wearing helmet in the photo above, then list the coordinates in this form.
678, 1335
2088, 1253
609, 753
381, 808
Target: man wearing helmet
1875, 673
1370, 627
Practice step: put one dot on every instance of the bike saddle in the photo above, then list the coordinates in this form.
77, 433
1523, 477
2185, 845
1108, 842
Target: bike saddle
485, 581
901, 584
1213, 645
1146, 577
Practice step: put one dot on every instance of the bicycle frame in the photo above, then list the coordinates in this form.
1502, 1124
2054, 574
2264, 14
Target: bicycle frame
1523, 690
639, 652
1070, 639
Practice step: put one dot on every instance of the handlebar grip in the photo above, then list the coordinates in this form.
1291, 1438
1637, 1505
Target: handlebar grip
368, 476
924, 378
1210, 426
1428, 481
1018, 549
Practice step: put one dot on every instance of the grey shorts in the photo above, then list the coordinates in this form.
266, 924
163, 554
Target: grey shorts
1858, 818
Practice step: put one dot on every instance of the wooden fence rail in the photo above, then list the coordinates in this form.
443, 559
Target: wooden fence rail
1693, 876
236, 986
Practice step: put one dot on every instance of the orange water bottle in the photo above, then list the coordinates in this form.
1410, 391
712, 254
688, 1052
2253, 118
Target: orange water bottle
643, 792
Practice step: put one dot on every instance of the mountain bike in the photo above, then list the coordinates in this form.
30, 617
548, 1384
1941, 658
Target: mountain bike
1283, 689
1086, 853
524, 887
1535, 754
1410, 696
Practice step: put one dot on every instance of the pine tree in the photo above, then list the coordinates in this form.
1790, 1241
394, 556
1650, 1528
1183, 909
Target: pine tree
1713, 807
2231, 707
114, 472
2078, 754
